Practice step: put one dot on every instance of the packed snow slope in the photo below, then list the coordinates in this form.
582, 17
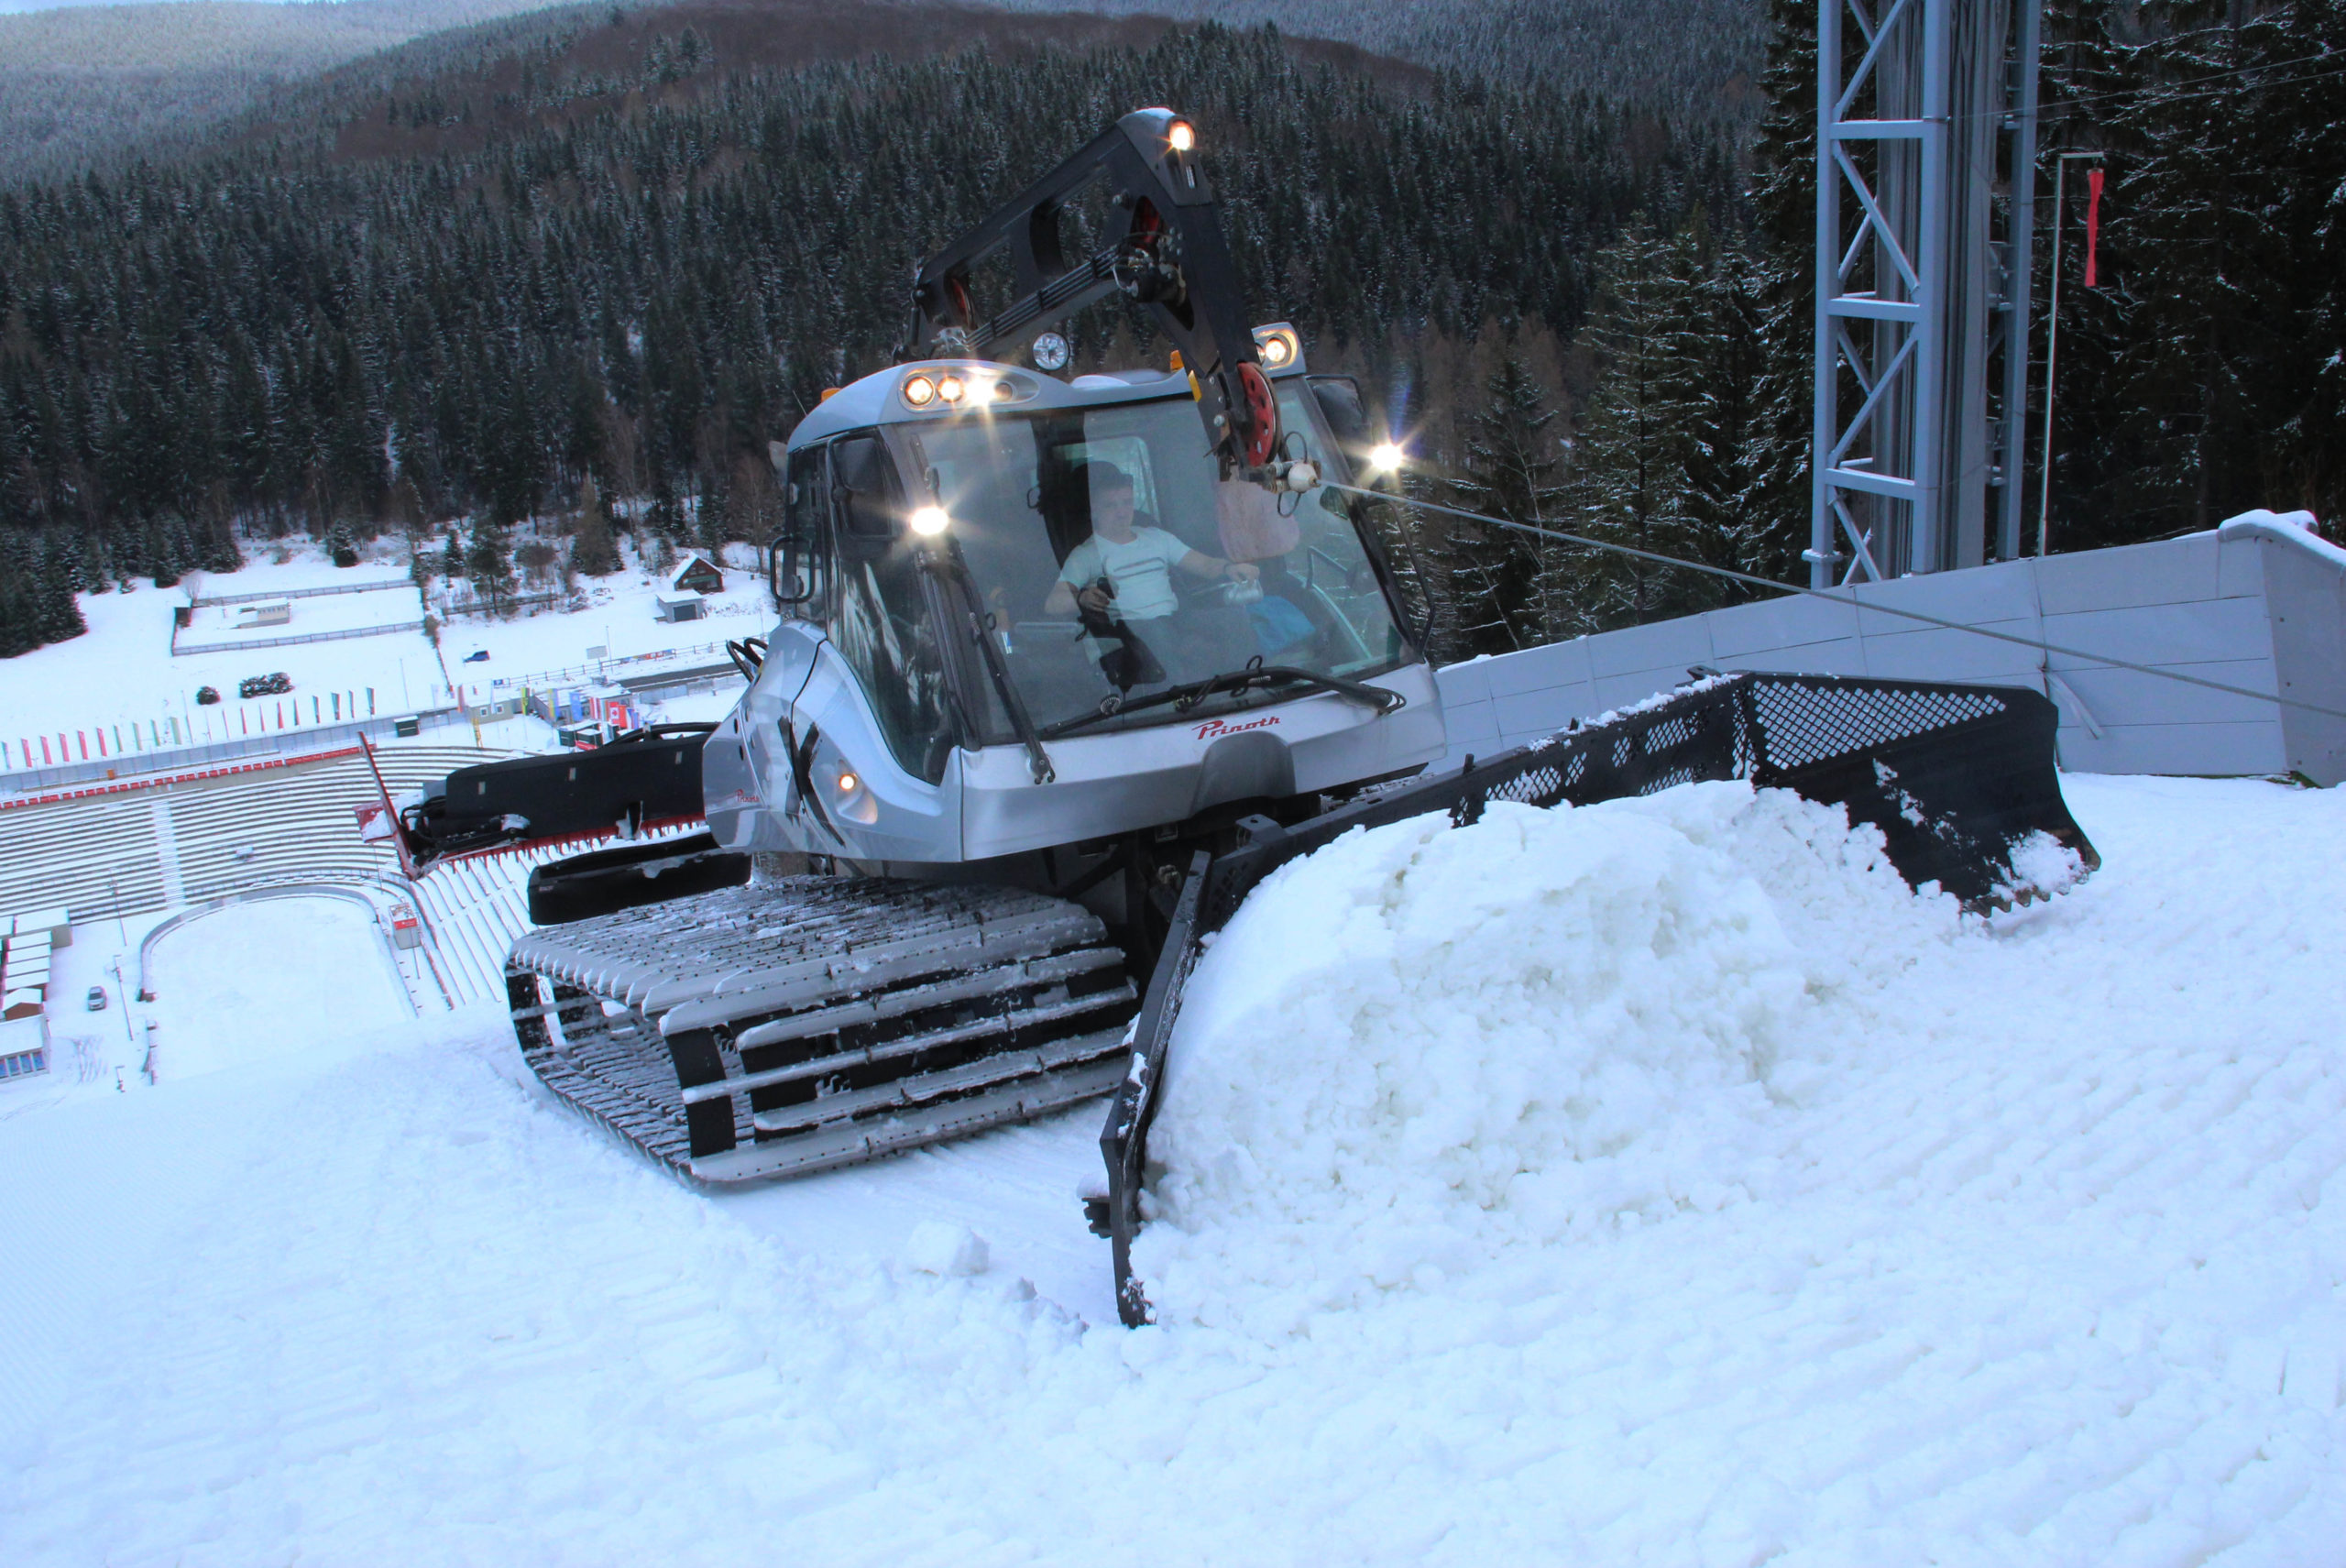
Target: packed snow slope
238, 984
1657, 1182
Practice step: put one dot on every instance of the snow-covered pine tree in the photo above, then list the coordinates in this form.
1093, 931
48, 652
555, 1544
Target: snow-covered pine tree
1735, 509
57, 615
593, 551
216, 538
1511, 467
166, 556
1628, 476
19, 609
489, 562
1782, 267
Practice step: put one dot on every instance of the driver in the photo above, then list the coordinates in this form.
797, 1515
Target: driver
1125, 564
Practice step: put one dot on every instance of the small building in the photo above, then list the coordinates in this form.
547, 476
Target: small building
696, 575
26, 942
277, 613
674, 605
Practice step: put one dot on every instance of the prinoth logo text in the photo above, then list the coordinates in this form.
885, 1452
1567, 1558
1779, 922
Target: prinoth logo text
1214, 727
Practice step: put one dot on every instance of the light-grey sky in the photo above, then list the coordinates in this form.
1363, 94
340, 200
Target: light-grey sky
14, 7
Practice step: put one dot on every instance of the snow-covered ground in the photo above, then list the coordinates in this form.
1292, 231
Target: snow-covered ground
122, 672
235, 986
1653, 1182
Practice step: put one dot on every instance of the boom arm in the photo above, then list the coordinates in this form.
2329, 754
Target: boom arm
1172, 257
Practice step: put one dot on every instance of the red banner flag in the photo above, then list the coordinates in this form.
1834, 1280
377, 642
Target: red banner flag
2093, 220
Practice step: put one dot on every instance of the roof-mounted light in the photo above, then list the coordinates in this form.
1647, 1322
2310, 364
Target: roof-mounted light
1180, 135
929, 522
1278, 348
1386, 457
937, 388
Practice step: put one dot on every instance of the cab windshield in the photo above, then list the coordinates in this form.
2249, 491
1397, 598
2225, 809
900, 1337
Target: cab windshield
1116, 563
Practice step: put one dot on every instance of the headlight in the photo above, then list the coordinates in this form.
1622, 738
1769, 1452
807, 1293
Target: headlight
919, 391
929, 522
1385, 458
950, 389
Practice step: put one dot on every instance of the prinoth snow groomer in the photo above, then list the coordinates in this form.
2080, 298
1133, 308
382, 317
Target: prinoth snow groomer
998, 761
1065, 662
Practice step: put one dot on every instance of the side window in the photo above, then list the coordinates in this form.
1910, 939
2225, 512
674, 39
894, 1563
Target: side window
1321, 562
879, 619
803, 573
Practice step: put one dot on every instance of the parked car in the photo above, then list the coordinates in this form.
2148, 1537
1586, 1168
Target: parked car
206, 695
97, 1003
477, 656
265, 685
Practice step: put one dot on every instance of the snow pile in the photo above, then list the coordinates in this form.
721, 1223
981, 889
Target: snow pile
942, 1247
1422, 1046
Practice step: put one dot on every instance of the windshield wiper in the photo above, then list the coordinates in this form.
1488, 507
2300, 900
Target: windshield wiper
981, 629
1184, 698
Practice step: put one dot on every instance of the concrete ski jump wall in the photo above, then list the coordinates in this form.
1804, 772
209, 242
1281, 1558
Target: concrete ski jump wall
2256, 602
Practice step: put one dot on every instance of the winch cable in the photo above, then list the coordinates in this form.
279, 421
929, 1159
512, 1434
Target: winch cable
1837, 597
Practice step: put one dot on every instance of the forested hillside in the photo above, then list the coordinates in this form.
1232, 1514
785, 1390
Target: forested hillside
477, 292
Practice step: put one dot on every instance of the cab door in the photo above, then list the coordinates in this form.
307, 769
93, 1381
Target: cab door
849, 732
750, 768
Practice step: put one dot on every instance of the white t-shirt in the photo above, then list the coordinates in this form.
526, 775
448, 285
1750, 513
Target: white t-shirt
1141, 567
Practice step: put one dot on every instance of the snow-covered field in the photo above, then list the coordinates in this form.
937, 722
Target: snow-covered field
1658, 1182
122, 672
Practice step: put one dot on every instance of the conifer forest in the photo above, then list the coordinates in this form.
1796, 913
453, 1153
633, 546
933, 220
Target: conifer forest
575, 271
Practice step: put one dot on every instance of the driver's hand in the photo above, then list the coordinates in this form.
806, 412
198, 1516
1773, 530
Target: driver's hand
1243, 570
1094, 598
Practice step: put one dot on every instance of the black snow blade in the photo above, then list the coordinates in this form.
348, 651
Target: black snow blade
648, 778
1959, 779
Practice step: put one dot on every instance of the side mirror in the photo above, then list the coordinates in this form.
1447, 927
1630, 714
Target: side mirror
794, 552
782, 564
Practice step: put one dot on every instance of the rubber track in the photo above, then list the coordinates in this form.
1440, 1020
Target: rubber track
787, 960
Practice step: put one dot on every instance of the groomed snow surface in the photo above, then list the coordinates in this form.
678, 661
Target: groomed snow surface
1656, 1182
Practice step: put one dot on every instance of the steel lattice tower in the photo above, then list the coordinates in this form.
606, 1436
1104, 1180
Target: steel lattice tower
1925, 180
